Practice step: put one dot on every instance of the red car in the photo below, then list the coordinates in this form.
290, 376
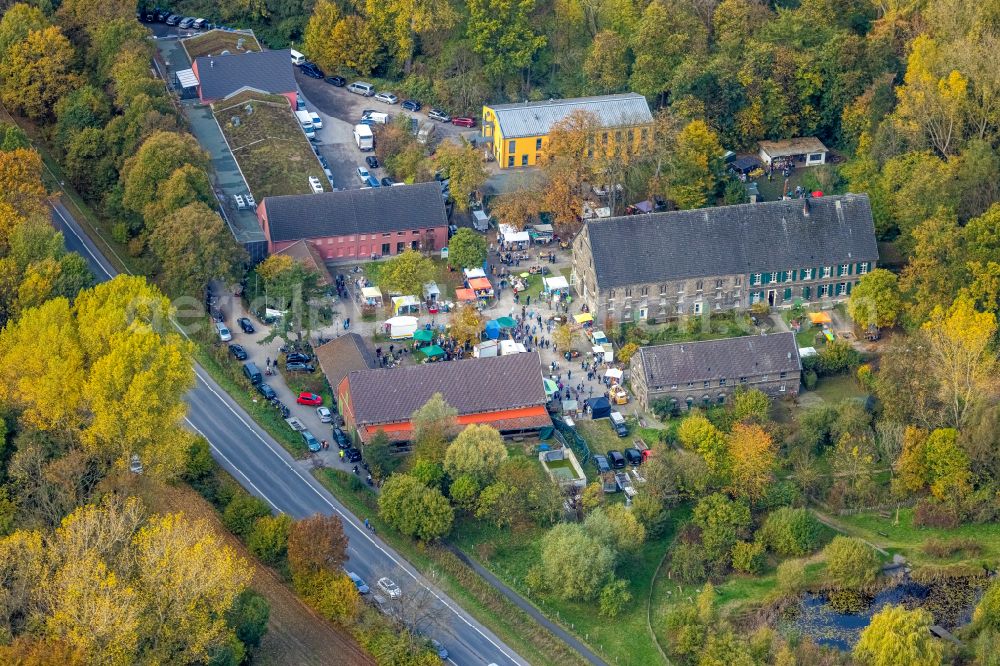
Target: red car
309, 399
464, 122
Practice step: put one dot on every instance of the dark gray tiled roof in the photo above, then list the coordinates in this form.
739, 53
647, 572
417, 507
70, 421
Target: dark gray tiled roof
732, 240
471, 386
348, 212
267, 71
728, 358
341, 356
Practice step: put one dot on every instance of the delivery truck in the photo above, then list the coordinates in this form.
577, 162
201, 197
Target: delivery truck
305, 120
364, 138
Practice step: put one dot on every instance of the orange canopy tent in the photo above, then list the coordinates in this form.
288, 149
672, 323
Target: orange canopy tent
818, 318
480, 284
465, 295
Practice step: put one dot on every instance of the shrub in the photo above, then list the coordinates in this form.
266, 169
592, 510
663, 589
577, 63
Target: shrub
809, 378
248, 617
748, 557
932, 513
242, 512
791, 577
782, 493
942, 548
851, 564
687, 563
614, 597
790, 531
837, 357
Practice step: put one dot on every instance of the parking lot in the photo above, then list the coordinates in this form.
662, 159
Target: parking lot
340, 111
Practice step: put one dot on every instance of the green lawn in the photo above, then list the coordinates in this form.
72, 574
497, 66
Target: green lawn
839, 387
623, 640
268, 144
600, 437
908, 539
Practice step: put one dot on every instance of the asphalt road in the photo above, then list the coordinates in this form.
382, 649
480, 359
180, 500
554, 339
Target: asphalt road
265, 469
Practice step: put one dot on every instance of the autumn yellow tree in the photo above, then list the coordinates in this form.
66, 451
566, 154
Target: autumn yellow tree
959, 343
696, 165
464, 166
517, 209
37, 71
467, 325
752, 453
21, 181
334, 41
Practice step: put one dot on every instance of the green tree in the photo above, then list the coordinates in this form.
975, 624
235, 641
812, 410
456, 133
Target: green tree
406, 273
851, 564
748, 557
464, 492
18, 21
268, 539
381, 456
723, 522
574, 564
414, 509
502, 34
36, 71
160, 155
478, 450
791, 577
466, 249
987, 613
607, 61
947, 465
194, 247
249, 616
464, 165
88, 162
789, 531
242, 512
875, 300
897, 635
697, 433
12, 137
615, 596
500, 504
617, 528
667, 33
434, 424
187, 184
429, 473
751, 405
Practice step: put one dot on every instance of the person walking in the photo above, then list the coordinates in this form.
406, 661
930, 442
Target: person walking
342, 455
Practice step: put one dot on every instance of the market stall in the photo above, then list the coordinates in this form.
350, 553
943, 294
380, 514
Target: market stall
400, 328
511, 236
431, 292
465, 295
423, 335
372, 296
482, 287
403, 305
556, 283
433, 352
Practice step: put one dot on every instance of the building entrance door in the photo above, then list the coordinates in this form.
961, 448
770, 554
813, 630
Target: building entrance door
772, 297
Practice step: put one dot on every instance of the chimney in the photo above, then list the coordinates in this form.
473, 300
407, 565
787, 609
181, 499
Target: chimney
805, 206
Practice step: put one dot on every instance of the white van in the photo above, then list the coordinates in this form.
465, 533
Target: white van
297, 58
316, 120
315, 185
362, 88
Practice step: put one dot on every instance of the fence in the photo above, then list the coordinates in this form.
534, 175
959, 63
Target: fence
567, 436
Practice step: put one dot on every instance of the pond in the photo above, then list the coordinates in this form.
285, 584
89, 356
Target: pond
951, 603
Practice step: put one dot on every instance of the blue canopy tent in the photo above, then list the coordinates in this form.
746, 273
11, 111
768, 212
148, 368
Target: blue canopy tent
600, 408
492, 329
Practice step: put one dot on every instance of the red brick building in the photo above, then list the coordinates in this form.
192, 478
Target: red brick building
505, 392
353, 225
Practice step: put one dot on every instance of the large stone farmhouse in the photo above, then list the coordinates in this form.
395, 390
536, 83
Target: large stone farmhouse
659, 266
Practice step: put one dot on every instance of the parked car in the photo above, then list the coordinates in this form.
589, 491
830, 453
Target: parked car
185, 22
246, 325
363, 174
372, 182
441, 650
633, 456
617, 459
359, 583
266, 391
224, 333
238, 352
323, 163
438, 114
300, 102
602, 464
297, 357
199, 23
312, 70
309, 399
310, 441
464, 122
410, 105
299, 367
352, 454
386, 98
341, 438
618, 424
324, 414
387, 182
372, 162
338, 81
161, 15
317, 120
388, 586
173, 19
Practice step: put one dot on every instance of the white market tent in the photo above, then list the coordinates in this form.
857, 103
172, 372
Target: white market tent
614, 373
402, 304
372, 293
511, 347
431, 291
555, 283
472, 273
512, 235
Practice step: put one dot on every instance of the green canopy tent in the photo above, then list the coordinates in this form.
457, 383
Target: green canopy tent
550, 386
433, 351
506, 322
423, 335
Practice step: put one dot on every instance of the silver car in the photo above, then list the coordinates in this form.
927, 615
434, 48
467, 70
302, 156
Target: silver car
388, 586
223, 330
386, 98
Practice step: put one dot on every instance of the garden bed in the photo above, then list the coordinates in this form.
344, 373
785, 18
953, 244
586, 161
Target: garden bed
214, 42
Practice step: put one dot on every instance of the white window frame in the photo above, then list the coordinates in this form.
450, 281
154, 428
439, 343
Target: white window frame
827, 271
807, 274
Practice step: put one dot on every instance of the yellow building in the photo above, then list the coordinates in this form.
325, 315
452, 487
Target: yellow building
519, 132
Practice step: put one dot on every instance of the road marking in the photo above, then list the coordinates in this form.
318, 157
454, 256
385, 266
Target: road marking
349, 518
82, 242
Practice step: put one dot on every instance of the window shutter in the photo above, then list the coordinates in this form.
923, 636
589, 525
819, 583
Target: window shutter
851, 269
794, 275
805, 292
788, 293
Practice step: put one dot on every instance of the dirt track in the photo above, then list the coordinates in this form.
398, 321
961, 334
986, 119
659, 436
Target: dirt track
295, 634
